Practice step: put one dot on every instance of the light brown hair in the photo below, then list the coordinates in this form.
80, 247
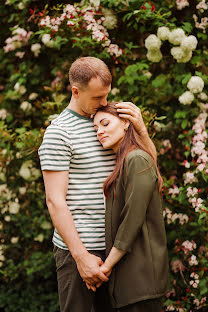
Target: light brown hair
130, 142
85, 68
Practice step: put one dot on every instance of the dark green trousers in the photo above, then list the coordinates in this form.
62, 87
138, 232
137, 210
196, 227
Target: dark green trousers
73, 293
151, 305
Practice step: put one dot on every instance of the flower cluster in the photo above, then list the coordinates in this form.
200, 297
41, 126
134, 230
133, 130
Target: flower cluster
28, 172
202, 24
86, 20
19, 39
195, 280
182, 53
195, 85
153, 44
182, 4
172, 217
202, 5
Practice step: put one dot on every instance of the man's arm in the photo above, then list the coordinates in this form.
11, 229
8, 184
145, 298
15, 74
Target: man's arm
56, 184
131, 112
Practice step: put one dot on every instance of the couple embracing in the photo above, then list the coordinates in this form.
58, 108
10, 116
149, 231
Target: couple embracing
102, 188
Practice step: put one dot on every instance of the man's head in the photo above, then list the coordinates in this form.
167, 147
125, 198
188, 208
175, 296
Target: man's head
90, 81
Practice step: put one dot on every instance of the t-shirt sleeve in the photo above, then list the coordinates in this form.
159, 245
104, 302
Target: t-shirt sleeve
56, 150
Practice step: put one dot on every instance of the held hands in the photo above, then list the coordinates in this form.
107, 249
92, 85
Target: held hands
105, 270
89, 267
131, 112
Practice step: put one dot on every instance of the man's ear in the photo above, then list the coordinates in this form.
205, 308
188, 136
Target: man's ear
75, 92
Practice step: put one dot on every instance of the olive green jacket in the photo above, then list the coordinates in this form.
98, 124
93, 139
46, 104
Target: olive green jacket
134, 223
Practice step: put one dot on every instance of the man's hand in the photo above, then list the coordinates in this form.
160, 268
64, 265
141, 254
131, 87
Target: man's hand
106, 270
88, 266
131, 112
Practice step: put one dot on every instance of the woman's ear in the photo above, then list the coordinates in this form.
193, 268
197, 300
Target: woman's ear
126, 124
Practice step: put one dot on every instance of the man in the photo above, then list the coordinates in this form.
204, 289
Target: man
74, 166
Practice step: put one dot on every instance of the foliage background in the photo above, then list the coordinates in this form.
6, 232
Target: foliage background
27, 271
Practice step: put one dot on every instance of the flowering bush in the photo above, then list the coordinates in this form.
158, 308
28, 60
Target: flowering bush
157, 53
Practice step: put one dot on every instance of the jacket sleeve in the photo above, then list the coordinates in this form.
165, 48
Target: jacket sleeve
139, 178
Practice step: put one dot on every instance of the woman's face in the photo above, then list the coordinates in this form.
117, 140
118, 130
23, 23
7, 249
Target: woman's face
110, 129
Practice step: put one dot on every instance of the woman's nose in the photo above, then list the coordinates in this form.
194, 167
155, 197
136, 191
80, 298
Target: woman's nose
100, 131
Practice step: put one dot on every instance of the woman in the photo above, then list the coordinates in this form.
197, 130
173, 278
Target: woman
137, 260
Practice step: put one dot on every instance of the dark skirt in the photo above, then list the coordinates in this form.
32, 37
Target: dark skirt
151, 305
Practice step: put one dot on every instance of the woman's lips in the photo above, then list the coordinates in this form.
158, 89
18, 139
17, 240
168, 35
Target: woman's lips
103, 138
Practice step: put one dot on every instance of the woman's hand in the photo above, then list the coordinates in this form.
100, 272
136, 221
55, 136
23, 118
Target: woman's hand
106, 270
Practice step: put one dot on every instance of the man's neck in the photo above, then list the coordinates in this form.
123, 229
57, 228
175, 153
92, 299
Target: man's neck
74, 106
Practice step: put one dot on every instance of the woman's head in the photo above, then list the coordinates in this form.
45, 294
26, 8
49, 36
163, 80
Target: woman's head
118, 134
110, 128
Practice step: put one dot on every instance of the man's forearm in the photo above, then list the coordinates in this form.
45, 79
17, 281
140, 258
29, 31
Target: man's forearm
148, 142
64, 223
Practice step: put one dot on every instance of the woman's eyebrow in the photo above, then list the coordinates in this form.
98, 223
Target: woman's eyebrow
100, 121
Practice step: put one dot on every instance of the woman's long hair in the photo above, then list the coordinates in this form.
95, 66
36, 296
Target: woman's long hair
131, 141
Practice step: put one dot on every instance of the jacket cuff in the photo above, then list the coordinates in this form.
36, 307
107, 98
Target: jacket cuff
122, 246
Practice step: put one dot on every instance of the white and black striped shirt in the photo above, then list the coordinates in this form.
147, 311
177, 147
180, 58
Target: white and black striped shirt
70, 144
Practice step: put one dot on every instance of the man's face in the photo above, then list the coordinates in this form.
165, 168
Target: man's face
92, 97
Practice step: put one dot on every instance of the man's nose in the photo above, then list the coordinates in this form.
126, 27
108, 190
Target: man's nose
104, 102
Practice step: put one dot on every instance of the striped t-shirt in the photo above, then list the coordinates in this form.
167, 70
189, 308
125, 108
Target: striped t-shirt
70, 144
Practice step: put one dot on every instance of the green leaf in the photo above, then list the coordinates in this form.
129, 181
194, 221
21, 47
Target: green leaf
184, 123
187, 27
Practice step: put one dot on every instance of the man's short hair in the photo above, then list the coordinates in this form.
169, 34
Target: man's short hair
85, 68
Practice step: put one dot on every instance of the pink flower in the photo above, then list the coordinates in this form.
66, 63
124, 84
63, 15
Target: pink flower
188, 246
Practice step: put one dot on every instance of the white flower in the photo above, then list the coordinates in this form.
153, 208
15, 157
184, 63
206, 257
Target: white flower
152, 42
147, 74
33, 96
20, 54
182, 4
22, 190
20, 88
202, 96
14, 240
35, 48
186, 98
182, 56
2, 258
14, 207
186, 58
39, 238
46, 225
96, 3
195, 84
177, 53
52, 117
154, 56
46, 39
193, 260
163, 33
21, 6
3, 113
176, 36
115, 91
28, 172
110, 21
189, 43
7, 218
26, 106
